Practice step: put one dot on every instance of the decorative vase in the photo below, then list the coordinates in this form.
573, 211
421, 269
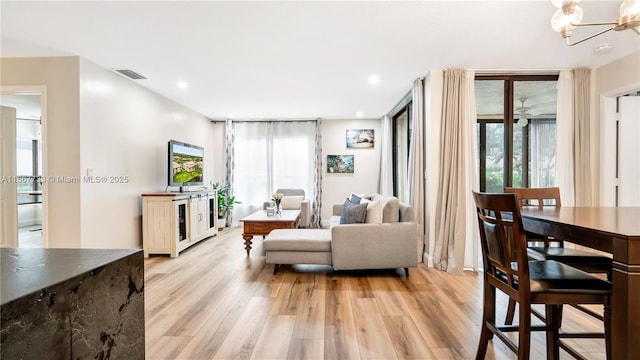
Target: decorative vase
278, 212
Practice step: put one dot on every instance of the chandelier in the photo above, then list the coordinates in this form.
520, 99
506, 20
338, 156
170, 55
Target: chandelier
569, 16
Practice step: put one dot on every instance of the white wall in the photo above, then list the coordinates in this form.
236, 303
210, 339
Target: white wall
59, 76
124, 131
366, 176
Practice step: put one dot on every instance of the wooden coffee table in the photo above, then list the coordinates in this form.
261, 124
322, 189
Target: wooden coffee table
259, 224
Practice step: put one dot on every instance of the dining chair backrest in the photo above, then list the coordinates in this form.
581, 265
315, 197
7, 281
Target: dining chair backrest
503, 242
539, 197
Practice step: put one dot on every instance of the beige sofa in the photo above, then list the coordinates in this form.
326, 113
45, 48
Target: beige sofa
388, 245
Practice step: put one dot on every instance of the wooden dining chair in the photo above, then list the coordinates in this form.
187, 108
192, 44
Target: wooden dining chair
553, 248
507, 267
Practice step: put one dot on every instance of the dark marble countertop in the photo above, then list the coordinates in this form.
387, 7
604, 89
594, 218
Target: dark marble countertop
25, 271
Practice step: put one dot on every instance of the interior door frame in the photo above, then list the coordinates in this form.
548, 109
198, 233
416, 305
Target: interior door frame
42, 91
8, 190
628, 154
608, 154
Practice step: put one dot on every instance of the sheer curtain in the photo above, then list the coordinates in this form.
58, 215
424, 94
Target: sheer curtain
268, 155
415, 186
564, 139
402, 160
456, 243
386, 157
542, 138
229, 152
316, 219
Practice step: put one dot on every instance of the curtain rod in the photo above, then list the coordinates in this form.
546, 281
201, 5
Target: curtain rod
293, 120
517, 72
264, 120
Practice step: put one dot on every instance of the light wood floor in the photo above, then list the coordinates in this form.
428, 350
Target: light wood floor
214, 302
30, 236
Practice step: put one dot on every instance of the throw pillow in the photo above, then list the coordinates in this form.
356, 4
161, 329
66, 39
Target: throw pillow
353, 213
355, 198
390, 209
374, 211
291, 202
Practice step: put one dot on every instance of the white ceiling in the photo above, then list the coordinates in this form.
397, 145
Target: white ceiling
295, 59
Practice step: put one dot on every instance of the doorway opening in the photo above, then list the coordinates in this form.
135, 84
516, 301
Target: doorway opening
29, 167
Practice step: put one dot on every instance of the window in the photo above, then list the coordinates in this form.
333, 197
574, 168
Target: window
28, 162
516, 131
270, 155
401, 124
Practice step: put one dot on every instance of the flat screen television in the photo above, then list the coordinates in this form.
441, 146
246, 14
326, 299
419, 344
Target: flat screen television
186, 163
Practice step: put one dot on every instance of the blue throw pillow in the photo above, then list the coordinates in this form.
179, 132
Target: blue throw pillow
353, 213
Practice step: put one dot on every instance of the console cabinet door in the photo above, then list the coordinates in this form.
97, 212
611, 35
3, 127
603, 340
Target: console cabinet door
203, 212
194, 221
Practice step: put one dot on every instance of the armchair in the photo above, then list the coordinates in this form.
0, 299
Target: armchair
305, 207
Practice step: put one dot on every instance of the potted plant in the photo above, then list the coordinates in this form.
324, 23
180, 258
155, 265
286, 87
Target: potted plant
225, 204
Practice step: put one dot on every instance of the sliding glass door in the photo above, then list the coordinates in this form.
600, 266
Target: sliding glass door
516, 131
401, 121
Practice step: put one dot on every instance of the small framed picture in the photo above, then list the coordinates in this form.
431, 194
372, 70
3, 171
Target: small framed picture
337, 164
360, 138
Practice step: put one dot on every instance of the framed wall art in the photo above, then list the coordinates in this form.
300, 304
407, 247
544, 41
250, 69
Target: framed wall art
360, 138
337, 164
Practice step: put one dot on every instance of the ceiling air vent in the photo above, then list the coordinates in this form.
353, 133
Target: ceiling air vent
130, 74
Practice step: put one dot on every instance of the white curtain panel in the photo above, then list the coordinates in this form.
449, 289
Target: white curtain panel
268, 155
402, 162
543, 160
316, 220
457, 239
564, 138
585, 192
415, 186
386, 157
229, 163
250, 167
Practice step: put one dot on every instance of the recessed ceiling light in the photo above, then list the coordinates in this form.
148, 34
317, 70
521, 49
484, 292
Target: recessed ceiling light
374, 79
359, 114
182, 85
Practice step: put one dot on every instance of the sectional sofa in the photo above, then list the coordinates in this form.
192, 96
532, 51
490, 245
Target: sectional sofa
385, 242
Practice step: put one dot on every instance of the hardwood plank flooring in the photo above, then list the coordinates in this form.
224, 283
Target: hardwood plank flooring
214, 302
30, 236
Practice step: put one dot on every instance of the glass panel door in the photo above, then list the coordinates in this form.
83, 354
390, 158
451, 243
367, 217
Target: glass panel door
491, 119
516, 131
534, 133
401, 139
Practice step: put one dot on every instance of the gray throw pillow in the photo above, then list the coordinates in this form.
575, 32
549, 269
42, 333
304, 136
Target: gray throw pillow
353, 213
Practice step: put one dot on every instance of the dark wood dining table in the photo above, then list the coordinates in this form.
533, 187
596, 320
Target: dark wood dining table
615, 230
